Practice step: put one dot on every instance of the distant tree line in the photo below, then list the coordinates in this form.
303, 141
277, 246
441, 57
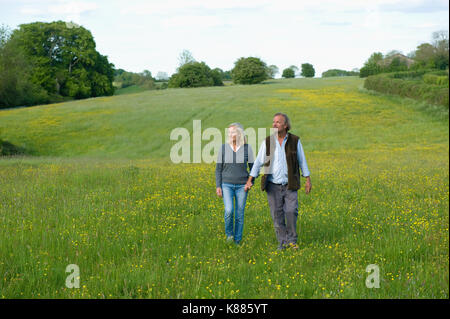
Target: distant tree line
338, 72
123, 79
422, 75
58, 61
433, 55
247, 70
51, 62
307, 71
378, 63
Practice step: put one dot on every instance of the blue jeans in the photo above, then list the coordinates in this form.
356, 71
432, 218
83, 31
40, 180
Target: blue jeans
236, 192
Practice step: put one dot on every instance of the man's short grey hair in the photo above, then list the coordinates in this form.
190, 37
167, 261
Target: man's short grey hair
287, 121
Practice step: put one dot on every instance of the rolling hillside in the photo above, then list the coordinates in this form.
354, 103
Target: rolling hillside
330, 114
97, 189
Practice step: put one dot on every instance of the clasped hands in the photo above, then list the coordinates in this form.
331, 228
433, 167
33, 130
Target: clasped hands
249, 185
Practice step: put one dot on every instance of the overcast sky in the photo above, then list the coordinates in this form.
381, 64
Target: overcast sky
138, 34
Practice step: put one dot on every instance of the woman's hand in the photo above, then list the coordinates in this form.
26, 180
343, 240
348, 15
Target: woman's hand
249, 184
219, 191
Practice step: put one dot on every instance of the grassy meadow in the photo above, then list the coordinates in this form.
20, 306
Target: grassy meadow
97, 189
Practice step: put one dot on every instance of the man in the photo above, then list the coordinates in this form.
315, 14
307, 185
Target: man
282, 156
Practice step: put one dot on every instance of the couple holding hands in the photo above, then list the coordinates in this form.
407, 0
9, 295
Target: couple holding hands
281, 156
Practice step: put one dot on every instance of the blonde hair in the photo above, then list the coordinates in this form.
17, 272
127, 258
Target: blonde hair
241, 139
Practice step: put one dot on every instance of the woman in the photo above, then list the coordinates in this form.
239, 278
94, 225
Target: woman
231, 176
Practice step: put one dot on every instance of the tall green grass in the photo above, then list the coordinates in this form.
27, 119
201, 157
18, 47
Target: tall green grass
98, 190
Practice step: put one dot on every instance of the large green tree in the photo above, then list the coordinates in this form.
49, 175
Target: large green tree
65, 60
249, 70
434, 55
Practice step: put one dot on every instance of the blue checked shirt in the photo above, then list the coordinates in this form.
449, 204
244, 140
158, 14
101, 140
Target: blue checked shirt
280, 170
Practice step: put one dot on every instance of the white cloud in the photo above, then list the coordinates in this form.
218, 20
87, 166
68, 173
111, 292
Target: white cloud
72, 7
372, 19
69, 10
415, 6
193, 21
170, 6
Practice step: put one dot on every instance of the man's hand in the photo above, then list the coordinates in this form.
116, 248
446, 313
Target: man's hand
219, 191
308, 185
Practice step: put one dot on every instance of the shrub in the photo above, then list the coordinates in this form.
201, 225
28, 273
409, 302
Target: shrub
308, 70
194, 74
249, 71
418, 90
436, 79
162, 86
288, 73
8, 149
407, 74
217, 75
440, 72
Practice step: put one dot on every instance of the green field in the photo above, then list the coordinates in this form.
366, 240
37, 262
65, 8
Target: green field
130, 89
97, 189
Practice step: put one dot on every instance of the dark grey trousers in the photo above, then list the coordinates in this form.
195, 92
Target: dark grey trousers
283, 205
